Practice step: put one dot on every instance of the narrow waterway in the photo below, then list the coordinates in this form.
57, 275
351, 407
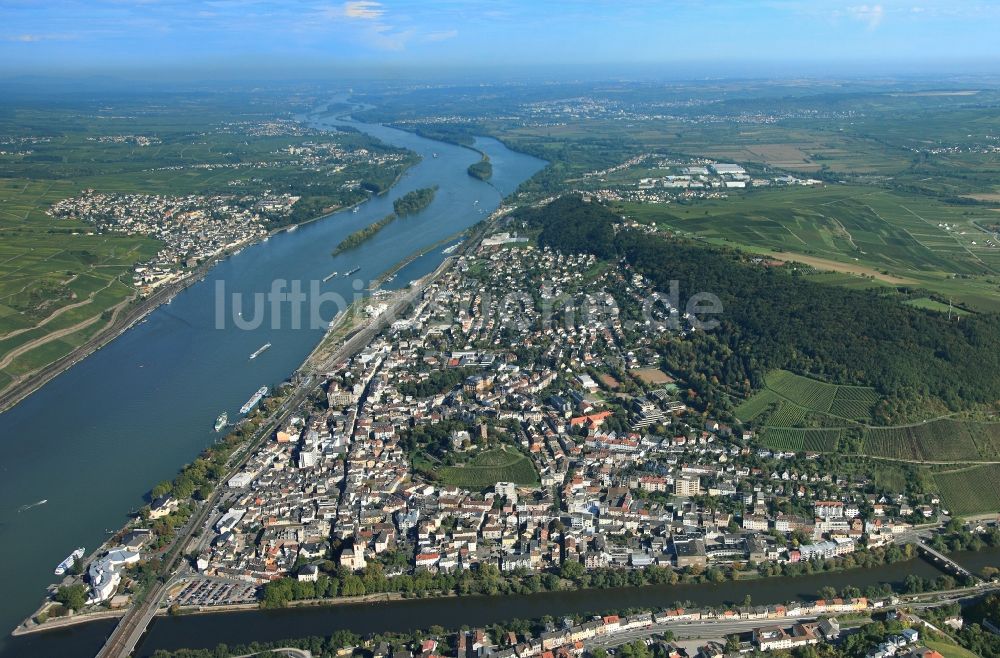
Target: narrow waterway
94, 440
208, 630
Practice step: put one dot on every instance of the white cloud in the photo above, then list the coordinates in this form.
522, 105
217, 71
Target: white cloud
442, 36
870, 15
33, 38
363, 10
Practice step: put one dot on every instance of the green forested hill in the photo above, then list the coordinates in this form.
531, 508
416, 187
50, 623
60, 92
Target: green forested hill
775, 319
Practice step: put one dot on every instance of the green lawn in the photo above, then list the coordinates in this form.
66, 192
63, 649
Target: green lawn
949, 650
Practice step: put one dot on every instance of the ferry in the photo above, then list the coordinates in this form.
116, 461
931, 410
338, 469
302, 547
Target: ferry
221, 421
329, 276
254, 399
69, 561
260, 350
448, 250
292, 228
356, 269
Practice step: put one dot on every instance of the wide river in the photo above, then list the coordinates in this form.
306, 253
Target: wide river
94, 440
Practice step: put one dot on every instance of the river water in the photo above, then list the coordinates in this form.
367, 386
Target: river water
205, 631
94, 440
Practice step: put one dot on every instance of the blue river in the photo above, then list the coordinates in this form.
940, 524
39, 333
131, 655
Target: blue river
94, 440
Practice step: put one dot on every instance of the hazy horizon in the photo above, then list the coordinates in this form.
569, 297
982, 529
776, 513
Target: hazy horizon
680, 39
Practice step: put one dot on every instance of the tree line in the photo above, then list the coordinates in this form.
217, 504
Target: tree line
774, 318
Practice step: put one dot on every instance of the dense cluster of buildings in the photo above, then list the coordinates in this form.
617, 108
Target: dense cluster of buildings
810, 624
526, 354
192, 228
131, 140
680, 179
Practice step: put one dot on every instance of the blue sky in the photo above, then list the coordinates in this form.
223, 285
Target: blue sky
71, 35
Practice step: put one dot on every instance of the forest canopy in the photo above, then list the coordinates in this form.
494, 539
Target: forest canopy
775, 319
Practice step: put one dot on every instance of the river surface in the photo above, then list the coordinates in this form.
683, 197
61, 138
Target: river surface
208, 630
94, 440
203, 631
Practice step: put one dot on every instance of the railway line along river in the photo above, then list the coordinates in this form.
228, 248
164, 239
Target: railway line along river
94, 440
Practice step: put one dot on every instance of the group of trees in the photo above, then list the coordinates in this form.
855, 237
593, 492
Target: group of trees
773, 318
483, 170
414, 201
436, 382
487, 579
359, 236
571, 225
73, 597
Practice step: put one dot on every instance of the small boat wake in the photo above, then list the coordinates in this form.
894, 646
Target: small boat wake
25, 508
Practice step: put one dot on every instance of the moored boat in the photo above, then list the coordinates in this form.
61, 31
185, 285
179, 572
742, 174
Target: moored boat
254, 399
69, 561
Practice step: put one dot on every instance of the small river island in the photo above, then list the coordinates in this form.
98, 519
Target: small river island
482, 170
408, 204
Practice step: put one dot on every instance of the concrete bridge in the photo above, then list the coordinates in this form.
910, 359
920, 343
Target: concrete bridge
945, 562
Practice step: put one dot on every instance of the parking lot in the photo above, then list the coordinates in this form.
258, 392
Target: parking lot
204, 592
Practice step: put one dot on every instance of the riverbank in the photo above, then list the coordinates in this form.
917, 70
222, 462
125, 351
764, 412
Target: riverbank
695, 623
150, 397
20, 389
409, 615
346, 334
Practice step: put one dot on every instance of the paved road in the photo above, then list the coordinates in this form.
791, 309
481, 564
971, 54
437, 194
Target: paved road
719, 629
130, 629
290, 652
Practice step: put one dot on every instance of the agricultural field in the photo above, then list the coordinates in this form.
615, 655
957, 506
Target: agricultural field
987, 438
933, 305
940, 440
898, 237
802, 440
59, 281
788, 399
970, 490
757, 404
489, 467
57, 278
